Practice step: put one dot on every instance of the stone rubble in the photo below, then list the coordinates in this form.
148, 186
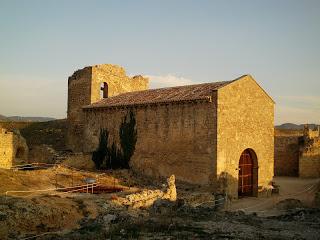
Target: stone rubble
147, 197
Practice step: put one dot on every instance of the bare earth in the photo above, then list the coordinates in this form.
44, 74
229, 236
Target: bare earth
59, 215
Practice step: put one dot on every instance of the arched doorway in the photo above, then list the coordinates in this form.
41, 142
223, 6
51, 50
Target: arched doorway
248, 174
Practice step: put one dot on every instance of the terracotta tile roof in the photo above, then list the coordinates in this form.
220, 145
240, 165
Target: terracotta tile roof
161, 95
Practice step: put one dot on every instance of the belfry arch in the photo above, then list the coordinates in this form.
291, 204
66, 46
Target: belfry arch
104, 90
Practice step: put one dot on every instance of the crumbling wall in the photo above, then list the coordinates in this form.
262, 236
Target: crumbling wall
42, 154
117, 80
147, 197
79, 87
13, 148
286, 155
84, 88
309, 162
6, 148
297, 153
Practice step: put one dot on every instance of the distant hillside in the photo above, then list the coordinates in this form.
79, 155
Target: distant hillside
51, 133
292, 126
25, 119
3, 118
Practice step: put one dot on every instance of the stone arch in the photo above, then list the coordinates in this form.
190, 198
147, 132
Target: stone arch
248, 174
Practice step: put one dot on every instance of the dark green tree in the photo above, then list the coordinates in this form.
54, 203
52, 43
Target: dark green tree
100, 156
128, 138
115, 157
106, 157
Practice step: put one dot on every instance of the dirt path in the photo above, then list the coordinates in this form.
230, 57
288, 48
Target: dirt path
290, 187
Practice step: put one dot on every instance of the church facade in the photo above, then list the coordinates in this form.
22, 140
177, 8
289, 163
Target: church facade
219, 134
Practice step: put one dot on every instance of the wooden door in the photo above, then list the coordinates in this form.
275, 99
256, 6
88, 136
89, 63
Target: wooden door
245, 187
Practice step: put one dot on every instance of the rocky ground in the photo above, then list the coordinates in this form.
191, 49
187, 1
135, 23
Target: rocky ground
60, 215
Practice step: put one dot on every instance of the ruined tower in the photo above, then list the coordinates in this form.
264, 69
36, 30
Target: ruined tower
91, 84
13, 148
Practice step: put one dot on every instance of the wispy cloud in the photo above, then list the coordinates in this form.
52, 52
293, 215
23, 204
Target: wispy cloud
298, 109
31, 96
301, 99
168, 81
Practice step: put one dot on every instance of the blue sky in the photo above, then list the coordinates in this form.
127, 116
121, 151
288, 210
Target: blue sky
173, 42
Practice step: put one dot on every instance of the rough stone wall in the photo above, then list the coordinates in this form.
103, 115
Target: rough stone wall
311, 134
117, 80
309, 162
42, 154
245, 120
84, 88
79, 87
297, 153
148, 197
13, 148
174, 139
6, 149
287, 133
286, 155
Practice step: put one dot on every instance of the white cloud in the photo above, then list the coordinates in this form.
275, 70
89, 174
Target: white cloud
168, 81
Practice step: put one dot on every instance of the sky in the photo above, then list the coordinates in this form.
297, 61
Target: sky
173, 42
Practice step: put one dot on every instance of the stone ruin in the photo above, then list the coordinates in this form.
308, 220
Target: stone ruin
297, 152
147, 198
13, 148
309, 160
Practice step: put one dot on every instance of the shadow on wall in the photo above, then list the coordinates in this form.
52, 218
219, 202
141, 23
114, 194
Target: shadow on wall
227, 185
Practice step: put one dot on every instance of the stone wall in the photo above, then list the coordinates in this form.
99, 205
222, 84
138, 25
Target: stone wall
117, 80
173, 138
13, 148
84, 88
287, 132
287, 144
297, 153
286, 155
146, 198
245, 120
309, 162
6, 148
42, 154
79, 87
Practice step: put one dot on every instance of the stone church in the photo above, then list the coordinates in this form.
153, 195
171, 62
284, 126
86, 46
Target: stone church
219, 134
